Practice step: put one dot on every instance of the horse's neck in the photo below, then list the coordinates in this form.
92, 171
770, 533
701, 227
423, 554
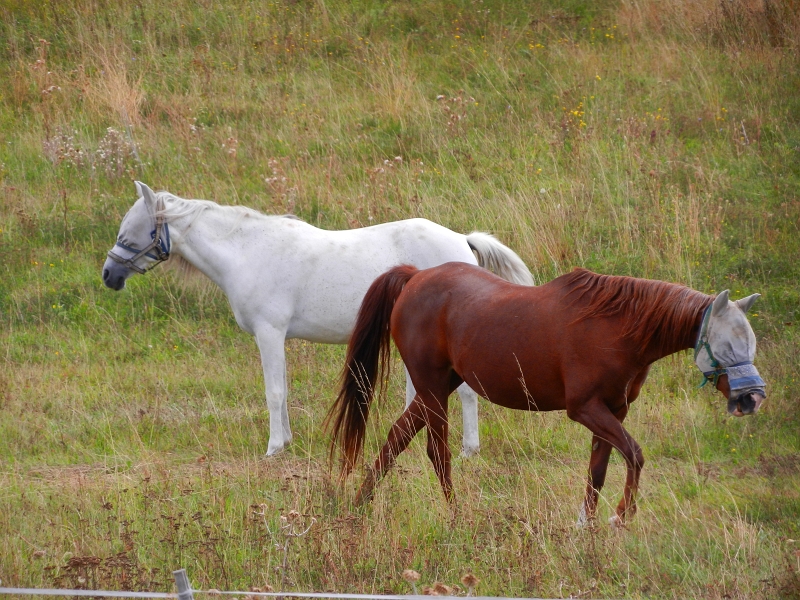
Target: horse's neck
205, 238
680, 336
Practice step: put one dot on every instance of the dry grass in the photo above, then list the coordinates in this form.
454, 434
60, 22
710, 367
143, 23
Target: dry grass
641, 138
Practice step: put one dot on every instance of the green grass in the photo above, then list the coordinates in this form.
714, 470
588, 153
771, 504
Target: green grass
654, 139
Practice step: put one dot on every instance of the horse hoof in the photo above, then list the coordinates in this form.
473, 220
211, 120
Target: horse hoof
274, 451
583, 519
616, 522
362, 498
468, 451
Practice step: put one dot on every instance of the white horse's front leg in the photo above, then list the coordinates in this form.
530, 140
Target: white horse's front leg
273, 361
469, 409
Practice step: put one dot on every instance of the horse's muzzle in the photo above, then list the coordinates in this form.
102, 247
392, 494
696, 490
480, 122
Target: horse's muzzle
746, 404
113, 280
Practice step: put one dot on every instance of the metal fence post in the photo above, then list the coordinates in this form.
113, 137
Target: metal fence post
184, 588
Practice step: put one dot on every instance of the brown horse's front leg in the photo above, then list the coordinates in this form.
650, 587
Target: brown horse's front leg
608, 433
627, 506
400, 435
598, 466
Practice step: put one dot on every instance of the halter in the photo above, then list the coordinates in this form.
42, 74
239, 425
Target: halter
161, 247
702, 344
742, 375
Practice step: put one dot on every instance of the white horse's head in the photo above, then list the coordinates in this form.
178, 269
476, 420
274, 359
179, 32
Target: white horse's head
725, 351
142, 243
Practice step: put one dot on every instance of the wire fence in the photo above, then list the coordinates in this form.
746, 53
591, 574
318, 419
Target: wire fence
185, 592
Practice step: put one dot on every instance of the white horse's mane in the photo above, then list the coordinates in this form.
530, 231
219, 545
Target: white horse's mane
183, 207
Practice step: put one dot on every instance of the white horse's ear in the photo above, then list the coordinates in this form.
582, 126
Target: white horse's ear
747, 303
138, 185
720, 304
148, 194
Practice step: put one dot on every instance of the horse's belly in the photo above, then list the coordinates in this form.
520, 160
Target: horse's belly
513, 389
315, 327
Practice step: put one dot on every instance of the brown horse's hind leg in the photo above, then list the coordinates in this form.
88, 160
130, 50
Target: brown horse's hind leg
607, 429
425, 410
438, 448
400, 435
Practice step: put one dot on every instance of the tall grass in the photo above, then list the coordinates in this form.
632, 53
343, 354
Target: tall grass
655, 139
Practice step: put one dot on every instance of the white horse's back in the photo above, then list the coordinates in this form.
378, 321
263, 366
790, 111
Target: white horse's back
332, 270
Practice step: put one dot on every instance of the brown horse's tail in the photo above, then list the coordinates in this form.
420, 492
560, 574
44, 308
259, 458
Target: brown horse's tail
367, 351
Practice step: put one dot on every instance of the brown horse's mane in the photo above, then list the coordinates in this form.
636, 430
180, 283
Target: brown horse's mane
656, 312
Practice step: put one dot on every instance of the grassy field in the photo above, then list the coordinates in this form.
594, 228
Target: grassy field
654, 138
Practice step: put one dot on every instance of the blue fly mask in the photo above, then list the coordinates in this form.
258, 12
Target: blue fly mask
727, 346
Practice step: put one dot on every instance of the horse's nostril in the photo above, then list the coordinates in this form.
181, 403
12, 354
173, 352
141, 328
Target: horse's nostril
105, 274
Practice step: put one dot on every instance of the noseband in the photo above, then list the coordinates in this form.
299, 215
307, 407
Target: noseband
160, 246
741, 376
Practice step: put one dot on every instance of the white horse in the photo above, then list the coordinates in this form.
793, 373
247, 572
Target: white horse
286, 279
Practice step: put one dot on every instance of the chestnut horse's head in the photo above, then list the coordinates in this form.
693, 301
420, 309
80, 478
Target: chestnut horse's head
725, 351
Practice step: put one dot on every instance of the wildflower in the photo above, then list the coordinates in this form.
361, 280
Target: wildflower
471, 582
429, 591
412, 577
442, 589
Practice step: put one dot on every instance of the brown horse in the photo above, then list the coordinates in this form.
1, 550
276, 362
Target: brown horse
582, 343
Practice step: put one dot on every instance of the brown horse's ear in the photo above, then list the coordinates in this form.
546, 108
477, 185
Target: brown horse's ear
720, 304
746, 303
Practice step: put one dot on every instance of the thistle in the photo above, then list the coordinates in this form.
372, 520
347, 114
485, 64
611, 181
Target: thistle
412, 577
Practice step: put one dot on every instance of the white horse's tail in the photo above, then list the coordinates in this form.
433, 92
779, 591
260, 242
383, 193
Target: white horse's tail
498, 258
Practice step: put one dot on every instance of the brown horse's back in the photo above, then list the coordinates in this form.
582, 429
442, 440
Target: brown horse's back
455, 324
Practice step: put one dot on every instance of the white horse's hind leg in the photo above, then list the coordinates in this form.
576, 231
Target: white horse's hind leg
469, 408
273, 361
410, 391
583, 518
